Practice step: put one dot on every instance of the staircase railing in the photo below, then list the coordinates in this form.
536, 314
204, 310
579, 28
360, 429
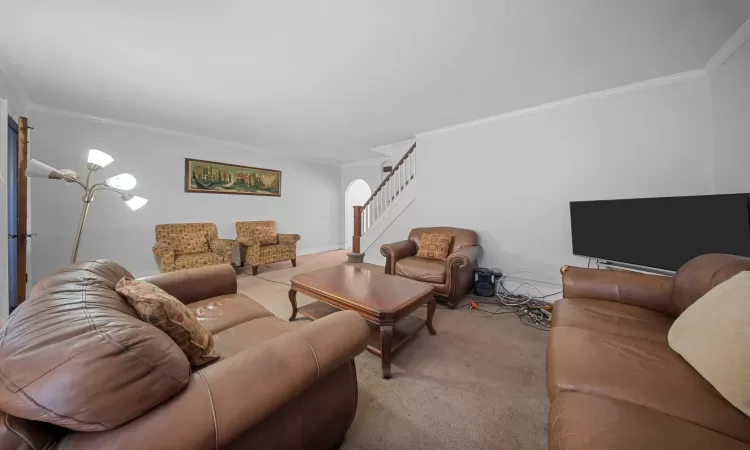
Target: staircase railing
388, 191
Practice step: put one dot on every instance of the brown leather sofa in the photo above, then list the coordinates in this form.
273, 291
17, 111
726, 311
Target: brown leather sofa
80, 370
612, 379
451, 278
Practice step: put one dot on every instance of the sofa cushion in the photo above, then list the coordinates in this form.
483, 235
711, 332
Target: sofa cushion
612, 317
589, 422
713, 335
434, 246
188, 243
217, 314
65, 348
699, 275
421, 269
250, 333
637, 371
168, 314
197, 260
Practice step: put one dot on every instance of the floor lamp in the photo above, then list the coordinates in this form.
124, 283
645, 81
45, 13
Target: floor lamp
97, 160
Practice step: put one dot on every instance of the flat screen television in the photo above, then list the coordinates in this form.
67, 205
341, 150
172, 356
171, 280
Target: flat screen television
661, 233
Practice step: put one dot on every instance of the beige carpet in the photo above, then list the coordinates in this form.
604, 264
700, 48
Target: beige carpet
478, 384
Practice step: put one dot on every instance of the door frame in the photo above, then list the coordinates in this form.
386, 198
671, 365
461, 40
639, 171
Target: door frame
4, 299
22, 209
12, 216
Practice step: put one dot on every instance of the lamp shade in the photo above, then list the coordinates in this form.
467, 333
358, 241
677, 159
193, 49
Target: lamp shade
123, 181
134, 202
37, 169
98, 159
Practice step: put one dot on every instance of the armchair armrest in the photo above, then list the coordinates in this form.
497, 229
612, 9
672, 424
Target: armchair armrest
395, 251
647, 291
229, 397
288, 238
162, 250
465, 256
193, 285
166, 256
223, 248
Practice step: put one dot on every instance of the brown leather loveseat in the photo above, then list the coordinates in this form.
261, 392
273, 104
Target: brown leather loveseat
451, 278
80, 370
612, 379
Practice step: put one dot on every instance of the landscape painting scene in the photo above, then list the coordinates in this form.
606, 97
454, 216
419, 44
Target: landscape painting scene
220, 178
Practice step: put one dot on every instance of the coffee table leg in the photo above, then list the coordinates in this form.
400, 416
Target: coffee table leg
293, 299
431, 306
386, 340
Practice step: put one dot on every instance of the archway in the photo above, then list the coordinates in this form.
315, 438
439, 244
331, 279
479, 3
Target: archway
356, 194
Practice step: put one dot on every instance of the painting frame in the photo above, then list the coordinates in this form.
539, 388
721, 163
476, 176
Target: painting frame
195, 188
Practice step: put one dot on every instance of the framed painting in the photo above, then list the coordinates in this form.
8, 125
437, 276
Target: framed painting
209, 177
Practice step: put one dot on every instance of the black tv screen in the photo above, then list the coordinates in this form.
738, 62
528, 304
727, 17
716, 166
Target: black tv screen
662, 233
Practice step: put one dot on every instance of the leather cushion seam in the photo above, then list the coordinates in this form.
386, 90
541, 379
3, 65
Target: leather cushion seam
9, 427
217, 441
315, 355
116, 344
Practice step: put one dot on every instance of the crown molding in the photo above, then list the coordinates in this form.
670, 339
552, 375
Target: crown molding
15, 82
630, 88
180, 134
729, 48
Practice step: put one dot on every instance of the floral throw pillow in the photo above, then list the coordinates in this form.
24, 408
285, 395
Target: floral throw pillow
171, 316
266, 236
434, 246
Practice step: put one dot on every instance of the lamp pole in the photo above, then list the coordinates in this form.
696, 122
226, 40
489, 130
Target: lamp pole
97, 160
88, 198
86, 203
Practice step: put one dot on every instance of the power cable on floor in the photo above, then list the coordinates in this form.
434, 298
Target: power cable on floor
267, 279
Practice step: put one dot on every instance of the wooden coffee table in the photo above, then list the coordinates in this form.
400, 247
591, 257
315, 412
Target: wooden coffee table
385, 301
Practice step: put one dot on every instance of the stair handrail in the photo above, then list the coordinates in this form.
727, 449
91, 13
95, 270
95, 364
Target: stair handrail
359, 210
390, 175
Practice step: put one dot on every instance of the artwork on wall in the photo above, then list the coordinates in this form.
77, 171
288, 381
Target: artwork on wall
219, 178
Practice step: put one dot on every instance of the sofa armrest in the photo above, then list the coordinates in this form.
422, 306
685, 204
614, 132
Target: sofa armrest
223, 248
193, 285
464, 257
460, 267
288, 238
165, 253
162, 250
229, 397
395, 251
646, 291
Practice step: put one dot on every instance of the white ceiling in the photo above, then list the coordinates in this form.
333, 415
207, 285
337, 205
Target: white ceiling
332, 78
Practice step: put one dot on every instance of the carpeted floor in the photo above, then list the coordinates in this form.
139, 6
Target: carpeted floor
478, 384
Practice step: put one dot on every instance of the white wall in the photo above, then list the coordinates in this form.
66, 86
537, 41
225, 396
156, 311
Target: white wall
356, 194
512, 179
308, 204
730, 86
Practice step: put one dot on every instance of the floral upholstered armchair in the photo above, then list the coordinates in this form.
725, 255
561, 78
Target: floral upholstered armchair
261, 244
190, 245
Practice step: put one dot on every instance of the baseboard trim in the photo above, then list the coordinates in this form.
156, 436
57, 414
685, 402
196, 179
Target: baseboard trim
310, 251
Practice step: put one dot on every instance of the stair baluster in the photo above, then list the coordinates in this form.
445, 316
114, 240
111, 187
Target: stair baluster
374, 208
